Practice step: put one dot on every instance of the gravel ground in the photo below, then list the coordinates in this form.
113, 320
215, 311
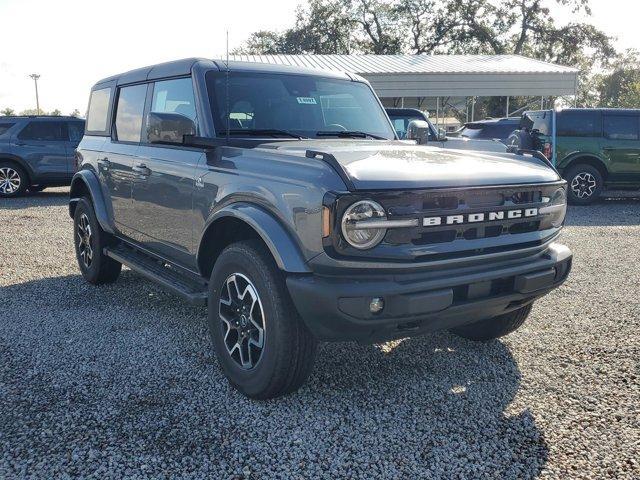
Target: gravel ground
120, 381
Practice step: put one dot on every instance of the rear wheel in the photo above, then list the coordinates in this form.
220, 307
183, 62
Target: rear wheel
89, 241
13, 180
494, 327
262, 345
585, 183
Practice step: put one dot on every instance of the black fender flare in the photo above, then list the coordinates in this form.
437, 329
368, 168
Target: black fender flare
273, 233
87, 181
588, 158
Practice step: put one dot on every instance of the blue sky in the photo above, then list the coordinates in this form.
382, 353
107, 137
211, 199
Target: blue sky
73, 43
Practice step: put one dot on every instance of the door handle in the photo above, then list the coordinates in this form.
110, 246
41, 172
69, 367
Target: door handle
142, 170
608, 148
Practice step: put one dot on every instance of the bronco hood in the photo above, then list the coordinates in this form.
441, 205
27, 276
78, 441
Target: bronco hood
373, 165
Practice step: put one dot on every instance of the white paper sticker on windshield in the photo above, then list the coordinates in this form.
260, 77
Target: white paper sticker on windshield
307, 100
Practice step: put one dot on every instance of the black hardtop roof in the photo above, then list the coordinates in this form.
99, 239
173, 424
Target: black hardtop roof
183, 67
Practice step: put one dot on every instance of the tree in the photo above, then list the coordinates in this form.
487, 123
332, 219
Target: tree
55, 113
620, 86
7, 112
75, 113
521, 27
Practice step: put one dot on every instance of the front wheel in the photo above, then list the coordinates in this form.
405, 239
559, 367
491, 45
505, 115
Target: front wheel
261, 343
585, 183
494, 327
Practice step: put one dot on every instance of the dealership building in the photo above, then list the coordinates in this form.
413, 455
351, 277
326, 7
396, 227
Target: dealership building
442, 83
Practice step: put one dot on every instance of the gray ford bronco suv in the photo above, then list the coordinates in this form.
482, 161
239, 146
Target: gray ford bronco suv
282, 200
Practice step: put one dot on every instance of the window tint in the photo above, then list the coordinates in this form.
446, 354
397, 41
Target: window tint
76, 130
5, 126
578, 124
44, 131
621, 127
98, 110
173, 111
129, 113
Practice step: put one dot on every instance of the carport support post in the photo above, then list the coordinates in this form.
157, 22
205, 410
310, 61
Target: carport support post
437, 112
507, 115
473, 108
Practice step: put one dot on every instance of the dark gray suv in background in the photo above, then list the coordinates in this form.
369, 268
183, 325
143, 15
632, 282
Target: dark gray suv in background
282, 199
37, 152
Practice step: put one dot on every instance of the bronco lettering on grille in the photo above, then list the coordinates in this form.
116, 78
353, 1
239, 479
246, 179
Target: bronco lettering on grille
480, 217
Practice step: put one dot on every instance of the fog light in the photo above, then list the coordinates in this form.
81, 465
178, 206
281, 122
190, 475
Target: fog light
376, 305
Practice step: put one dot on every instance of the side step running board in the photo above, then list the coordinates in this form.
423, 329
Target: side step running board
166, 277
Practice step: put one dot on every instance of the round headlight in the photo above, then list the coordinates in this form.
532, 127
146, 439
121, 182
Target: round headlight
555, 210
359, 227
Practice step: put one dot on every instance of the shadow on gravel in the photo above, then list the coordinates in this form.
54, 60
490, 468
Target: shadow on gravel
37, 199
122, 377
446, 398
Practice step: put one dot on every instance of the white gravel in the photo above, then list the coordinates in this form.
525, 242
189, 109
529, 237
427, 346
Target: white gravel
119, 381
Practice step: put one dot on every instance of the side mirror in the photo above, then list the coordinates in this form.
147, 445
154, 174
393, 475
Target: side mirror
166, 127
442, 135
418, 130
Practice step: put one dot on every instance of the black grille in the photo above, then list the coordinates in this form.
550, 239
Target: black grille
463, 202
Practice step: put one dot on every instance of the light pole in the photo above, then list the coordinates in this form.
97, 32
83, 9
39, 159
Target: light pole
35, 77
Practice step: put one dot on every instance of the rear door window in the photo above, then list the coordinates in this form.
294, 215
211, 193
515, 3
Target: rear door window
43, 131
621, 127
98, 113
578, 124
129, 113
5, 126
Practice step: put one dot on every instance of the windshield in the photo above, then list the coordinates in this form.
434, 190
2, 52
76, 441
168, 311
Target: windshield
298, 104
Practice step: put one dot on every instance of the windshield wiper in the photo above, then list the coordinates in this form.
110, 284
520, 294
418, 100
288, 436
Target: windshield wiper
348, 134
273, 132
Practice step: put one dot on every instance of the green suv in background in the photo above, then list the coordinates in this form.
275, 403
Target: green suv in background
593, 149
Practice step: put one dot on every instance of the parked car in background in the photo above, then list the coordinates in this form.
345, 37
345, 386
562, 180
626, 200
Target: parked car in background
37, 152
493, 129
282, 199
593, 149
402, 117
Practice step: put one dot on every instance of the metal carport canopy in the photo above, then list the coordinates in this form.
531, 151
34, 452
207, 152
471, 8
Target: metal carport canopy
442, 75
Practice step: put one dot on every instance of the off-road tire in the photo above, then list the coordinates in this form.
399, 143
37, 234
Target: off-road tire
10, 169
495, 327
289, 349
583, 179
101, 269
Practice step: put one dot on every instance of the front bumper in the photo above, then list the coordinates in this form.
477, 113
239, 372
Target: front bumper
336, 308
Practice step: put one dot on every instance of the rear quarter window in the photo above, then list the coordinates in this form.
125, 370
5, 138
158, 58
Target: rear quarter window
621, 127
98, 113
578, 124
